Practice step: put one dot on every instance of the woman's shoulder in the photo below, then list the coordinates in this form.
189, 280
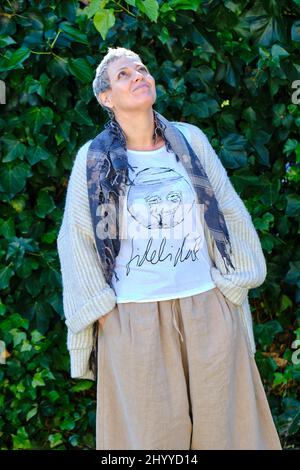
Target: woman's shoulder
82, 151
191, 131
79, 163
200, 143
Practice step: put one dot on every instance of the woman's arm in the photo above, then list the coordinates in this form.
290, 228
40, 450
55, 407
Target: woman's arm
86, 295
79, 346
247, 257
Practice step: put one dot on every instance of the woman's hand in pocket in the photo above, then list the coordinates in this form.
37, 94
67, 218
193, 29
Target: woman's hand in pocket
101, 320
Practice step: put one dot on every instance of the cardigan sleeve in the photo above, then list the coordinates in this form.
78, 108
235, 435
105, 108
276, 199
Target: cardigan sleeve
247, 255
86, 295
79, 346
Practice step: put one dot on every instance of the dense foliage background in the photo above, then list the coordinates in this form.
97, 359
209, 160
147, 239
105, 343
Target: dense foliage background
227, 66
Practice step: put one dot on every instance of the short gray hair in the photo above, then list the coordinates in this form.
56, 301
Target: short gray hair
101, 81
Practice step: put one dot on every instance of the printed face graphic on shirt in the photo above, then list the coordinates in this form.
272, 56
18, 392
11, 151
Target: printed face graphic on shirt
159, 198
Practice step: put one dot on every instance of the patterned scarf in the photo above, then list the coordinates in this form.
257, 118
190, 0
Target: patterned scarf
107, 181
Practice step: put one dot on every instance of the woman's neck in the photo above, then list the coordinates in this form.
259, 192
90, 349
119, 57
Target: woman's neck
159, 143
138, 130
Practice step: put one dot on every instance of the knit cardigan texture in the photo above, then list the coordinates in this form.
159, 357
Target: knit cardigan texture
87, 296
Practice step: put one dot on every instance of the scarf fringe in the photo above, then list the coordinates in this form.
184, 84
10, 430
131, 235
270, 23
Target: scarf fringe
93, 359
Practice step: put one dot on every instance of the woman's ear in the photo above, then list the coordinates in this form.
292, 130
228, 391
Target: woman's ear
105, 99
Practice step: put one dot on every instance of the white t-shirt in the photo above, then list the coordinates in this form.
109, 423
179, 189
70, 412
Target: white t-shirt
163, 253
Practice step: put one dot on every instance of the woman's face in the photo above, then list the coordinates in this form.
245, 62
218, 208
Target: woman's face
132, 86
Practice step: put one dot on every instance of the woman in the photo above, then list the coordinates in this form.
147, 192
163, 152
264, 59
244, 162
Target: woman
144, 251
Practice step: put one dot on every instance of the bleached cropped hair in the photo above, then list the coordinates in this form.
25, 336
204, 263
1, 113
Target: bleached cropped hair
101, 81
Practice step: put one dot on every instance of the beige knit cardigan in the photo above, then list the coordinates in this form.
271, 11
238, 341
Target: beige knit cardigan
87, 296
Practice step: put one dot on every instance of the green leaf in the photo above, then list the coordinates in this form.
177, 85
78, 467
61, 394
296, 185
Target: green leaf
18, 203
21, 439
2, 309
6, 273
279, 379
68, 424
49, 237
278, 51
264, 28
164, 35
53, 395
270, 193
36, 336
293, 205
73, 33
294, 424
16, 250
55, 439
293, 275
15, 149
149, 7
94, 6
261, 138
34, 39
15, 320
37, 117
38, 380
264, 223
36, 86
6, 41
26, 245
13, 178
45, 204
290, 146
26, 346
82, 116
14, 60
201, 105
63, 132
81, 69
82, 385
36, 154
39, 308
185, 4
7, 229
289, 422
18, 336
104, 20
31, 413
286, 302
265, 332
202, 75
233, 151
26, 268
68, 10
74, 439
232, 6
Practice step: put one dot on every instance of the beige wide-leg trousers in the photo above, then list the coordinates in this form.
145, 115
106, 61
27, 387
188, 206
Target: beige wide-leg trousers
179, 374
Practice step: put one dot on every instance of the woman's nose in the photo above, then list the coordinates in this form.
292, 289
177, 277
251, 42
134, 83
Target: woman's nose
139, 74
